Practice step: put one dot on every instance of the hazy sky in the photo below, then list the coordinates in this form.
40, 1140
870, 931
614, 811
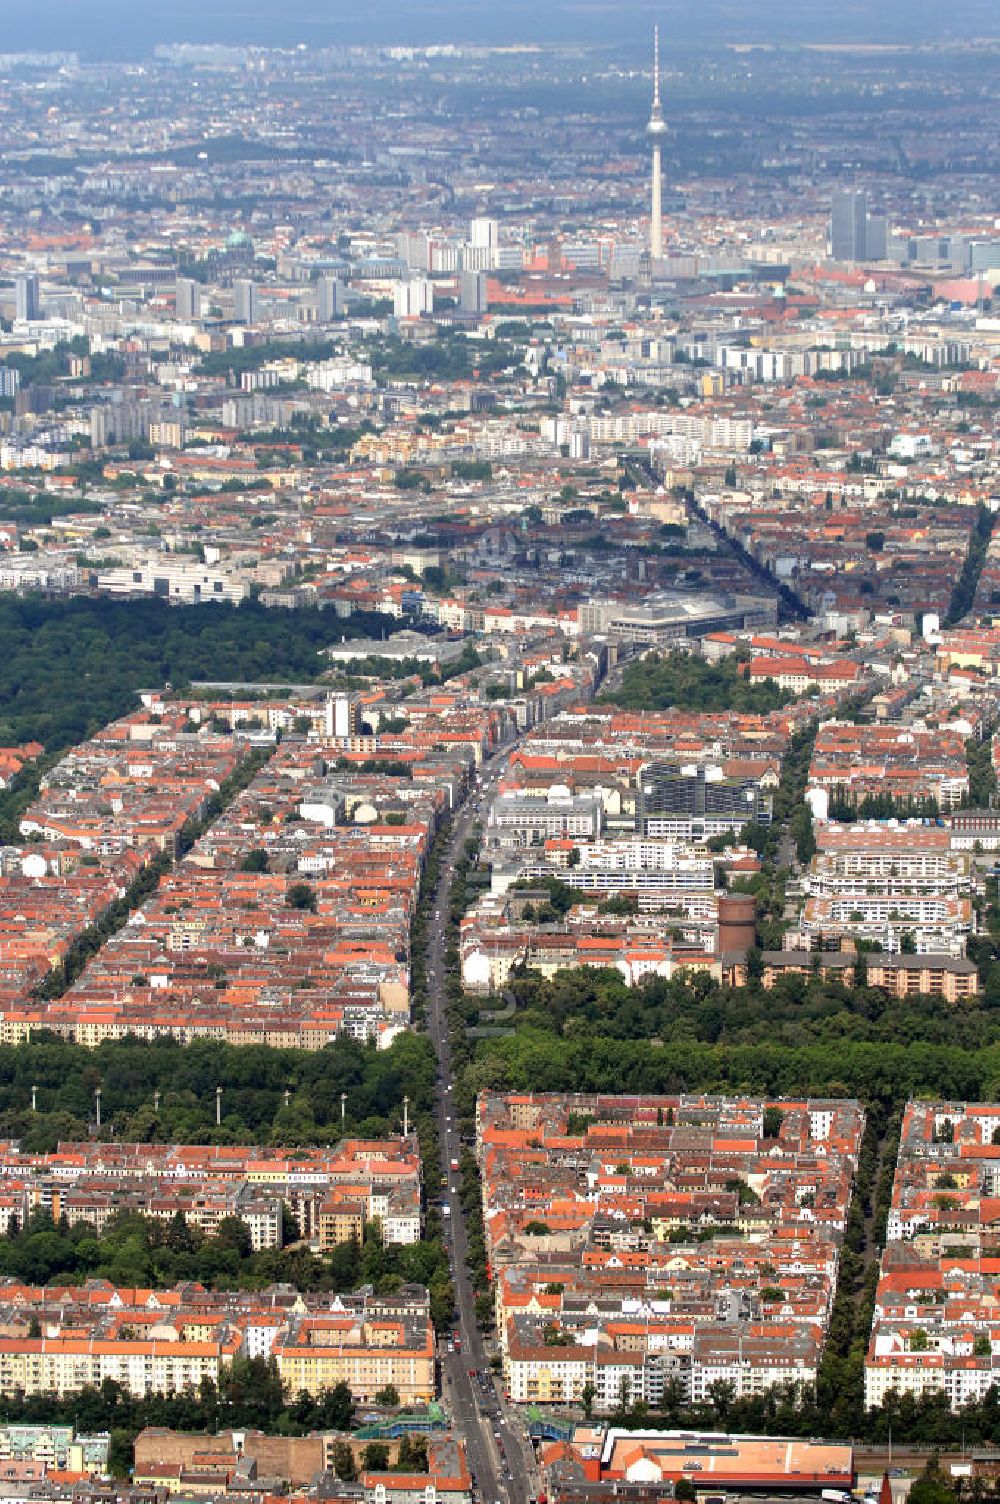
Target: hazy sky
132, 27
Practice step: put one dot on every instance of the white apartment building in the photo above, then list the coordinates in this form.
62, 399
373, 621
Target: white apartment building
174, 580
938, 923
753, 1362
949, 1366
161, 1362
517, 820
659, 872
859, 874
331, 375
413, 298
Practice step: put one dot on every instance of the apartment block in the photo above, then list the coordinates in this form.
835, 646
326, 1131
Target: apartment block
94, 1182
935, 1330
641, 1242
162, 1342
288, 921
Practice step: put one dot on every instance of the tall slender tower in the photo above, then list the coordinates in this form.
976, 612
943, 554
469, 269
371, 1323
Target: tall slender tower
656, 131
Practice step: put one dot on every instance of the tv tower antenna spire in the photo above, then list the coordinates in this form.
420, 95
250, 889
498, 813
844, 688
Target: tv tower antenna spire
655, 131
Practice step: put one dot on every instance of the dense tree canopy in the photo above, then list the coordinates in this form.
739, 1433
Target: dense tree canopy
655, 683
254, 1078
587, 1030
71, 665
36, 509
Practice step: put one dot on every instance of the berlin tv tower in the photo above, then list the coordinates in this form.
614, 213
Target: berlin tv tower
656, 130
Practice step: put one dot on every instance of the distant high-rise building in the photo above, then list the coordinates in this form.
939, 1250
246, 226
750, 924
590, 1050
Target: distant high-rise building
876, 238
508, 258
413, 298
442, 257
484, 234
848, 225
245, 301
478, 258
656, 130
119, 423
930, 250
984, 255
472, 292
29, 306
414, 249
187, 295
329, 299
342, 716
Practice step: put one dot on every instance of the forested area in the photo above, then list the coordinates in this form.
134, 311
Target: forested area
846, 807
453, 358
982, 778
686, 679
252, 357
450, 358
36, 509
587, 1031
71, 665
254, 1079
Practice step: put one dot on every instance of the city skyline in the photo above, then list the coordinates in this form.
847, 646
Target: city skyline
499, 754
112, 28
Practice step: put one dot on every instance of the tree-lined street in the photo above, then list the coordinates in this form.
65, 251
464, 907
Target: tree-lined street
499, 1456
